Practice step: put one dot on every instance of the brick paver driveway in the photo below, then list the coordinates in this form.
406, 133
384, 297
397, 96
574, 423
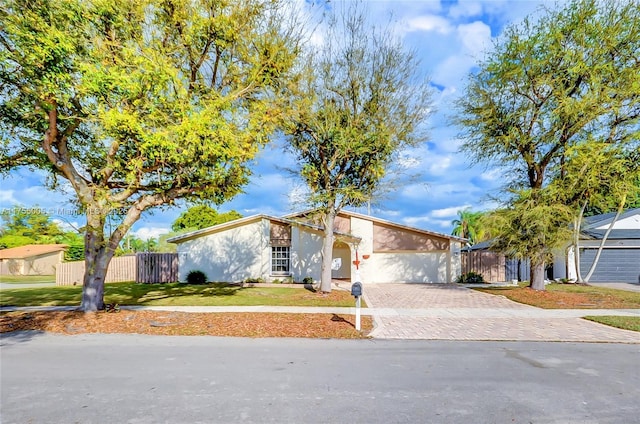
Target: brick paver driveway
449, 312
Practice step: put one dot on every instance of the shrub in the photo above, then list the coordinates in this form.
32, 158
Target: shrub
253, 280
196, 277
470, 278
307, 280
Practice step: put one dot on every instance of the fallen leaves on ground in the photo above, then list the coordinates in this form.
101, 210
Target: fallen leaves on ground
189, 324
549, 299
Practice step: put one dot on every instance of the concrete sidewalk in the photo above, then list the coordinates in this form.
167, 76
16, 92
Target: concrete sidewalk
476, 313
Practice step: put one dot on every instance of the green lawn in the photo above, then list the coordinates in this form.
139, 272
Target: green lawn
177, 294
27, 279
626, 323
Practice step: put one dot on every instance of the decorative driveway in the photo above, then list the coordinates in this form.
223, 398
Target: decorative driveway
449, 312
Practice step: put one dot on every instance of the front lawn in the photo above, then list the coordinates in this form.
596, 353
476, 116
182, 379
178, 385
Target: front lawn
177, 294
626, 323
27, 279
570, 296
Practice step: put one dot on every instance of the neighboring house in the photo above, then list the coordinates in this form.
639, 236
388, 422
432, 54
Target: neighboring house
32, 259
620, 257
270, 248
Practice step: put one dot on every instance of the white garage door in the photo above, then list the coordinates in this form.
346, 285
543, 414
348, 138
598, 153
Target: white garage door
409, 267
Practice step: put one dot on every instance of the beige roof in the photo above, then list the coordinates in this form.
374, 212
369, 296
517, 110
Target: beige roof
31, 250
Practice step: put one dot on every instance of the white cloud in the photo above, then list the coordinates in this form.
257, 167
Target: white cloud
448, 212
492, 175
429, 23
146, 233
7, 197
440, 165
475, 37
466, 9
415, 191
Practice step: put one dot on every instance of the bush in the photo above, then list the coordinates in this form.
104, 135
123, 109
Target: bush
470, 278
196, 277
307, 280
253, 280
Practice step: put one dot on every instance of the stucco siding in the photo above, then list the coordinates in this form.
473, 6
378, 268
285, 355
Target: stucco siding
232, 255
408, 267
387, 238
306, 256
44, 264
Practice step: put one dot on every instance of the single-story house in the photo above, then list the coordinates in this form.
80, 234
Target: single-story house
271, 248
620, 257
32, 259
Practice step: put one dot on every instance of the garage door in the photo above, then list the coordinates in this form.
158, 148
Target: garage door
614, 265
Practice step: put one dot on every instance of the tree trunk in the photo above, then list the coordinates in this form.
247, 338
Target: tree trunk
537, 275
327, 251
604, 241
98, 254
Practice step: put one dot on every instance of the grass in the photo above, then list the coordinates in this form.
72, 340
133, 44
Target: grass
626, 323
27, 279
177, 294
570, 296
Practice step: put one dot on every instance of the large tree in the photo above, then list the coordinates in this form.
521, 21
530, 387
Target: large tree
567, 78
363, 103
137, 103
202, 216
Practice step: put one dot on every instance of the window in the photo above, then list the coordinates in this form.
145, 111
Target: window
280, 260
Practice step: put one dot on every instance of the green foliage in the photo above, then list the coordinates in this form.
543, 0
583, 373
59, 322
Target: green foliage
75, 252
254, 280
22, 226
361, 104
469, 225
470, 278
202, 216
140, 103
196, 277
556, 105
8, 241
530, 227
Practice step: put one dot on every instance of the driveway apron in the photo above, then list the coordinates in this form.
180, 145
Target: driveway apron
450, 312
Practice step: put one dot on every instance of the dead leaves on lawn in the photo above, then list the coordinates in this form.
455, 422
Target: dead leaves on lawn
189, 324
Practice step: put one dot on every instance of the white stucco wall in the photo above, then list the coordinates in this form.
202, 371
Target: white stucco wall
232, 255
408, 267
363, 229
306, 257
455, 269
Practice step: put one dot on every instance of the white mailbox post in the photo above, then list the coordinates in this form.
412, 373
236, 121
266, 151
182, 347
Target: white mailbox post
356, 291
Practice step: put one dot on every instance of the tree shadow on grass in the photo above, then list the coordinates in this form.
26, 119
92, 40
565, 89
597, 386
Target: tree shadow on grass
138, 294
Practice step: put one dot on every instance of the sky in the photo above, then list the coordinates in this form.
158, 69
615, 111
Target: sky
450, 38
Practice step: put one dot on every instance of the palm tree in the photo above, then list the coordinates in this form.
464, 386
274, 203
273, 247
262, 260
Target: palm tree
467, 225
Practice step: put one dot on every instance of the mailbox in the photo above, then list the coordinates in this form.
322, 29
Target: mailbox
356, 289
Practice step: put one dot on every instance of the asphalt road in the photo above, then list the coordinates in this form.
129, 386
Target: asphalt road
152, 379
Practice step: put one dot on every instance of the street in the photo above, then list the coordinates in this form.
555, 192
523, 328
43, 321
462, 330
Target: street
152, 379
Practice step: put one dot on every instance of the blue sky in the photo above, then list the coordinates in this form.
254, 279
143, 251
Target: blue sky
450, 37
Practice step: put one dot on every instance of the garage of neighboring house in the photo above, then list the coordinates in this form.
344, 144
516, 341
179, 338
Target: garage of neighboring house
619, 260
32, 259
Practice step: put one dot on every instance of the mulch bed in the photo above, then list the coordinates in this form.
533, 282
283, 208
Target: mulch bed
189, 324
563, 300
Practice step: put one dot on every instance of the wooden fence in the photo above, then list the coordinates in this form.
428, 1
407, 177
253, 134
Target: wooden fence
490, 264
141, 268
157, 268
